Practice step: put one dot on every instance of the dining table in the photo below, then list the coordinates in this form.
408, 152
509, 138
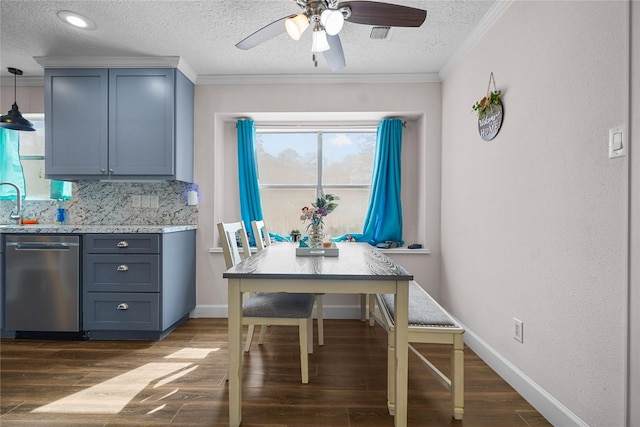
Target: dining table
358, 268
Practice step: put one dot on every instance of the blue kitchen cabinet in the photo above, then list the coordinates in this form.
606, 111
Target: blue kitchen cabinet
118, 124
137, 286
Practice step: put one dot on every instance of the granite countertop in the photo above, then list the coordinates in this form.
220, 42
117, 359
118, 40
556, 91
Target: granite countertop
81, 229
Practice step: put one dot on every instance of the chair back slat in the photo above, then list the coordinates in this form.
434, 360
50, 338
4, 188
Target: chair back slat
228, 238
260, 234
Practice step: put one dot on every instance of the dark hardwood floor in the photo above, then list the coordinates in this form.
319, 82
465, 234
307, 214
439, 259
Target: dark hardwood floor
180, 381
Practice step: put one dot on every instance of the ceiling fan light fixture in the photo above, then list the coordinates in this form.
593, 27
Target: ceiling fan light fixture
296, 26
13, 119
332, 21
319, 43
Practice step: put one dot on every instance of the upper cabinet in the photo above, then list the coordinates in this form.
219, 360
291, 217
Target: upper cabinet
118, 124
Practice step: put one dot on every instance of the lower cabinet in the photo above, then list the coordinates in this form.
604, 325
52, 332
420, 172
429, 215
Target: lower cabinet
137, 286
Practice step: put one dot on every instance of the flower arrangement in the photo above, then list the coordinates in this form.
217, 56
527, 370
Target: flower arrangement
323, 206
481, 107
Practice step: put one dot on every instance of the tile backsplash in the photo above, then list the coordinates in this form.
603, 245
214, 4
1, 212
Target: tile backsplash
112, 203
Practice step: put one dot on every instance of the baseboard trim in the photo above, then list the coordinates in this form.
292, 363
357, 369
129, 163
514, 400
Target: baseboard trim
550, 408
330, 312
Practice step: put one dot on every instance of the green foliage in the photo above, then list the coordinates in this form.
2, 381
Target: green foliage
483, 105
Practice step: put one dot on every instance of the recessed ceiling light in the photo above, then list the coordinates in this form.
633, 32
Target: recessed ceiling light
76, 20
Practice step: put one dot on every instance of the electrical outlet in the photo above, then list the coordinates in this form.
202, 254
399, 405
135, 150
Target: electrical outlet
517, 330
135, 201
145, 201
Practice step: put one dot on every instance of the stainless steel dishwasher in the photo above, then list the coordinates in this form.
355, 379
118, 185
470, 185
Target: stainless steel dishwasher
42, 288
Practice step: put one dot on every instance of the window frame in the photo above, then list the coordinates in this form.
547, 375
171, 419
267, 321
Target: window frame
319, 131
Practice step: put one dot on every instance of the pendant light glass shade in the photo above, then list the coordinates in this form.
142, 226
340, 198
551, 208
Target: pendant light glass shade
13, 119
320, 43
296, 26
332, 21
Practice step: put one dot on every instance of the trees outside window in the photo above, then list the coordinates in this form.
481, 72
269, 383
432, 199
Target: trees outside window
295, 166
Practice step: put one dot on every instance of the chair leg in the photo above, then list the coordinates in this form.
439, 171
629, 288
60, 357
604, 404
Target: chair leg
247, 344
263, 332
303, 328
320, 316
363, 307
372, 309
310, 336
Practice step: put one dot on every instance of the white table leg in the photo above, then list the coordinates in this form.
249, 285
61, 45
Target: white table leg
235, 353
401, 352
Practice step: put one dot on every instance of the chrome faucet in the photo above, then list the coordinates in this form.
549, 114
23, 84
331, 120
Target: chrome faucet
17, 215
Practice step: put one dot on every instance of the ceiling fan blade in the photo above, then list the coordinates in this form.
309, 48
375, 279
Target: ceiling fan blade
334, 56
385, 14
263, 34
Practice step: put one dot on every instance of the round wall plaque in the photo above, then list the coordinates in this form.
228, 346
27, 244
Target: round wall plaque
489, 125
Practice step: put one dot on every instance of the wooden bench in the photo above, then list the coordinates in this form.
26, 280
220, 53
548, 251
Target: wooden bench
428, 323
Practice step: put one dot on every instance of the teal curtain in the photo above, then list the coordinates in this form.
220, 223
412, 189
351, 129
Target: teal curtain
384, 215
250, 205
10, 166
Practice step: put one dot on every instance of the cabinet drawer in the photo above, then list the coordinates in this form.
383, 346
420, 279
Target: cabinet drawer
122, 243
121, 311
121, 273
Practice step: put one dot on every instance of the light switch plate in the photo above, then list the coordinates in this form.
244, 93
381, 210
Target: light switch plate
145, 201
135, 201
617, 142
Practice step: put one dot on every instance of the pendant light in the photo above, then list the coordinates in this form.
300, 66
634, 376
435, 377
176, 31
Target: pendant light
13, 119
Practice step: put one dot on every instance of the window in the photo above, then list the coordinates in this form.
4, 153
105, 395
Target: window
295, 166
32, 158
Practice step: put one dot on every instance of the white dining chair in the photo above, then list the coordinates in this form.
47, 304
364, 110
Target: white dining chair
270, 308
262, 238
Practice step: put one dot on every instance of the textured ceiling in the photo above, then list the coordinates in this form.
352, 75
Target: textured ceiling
204, 34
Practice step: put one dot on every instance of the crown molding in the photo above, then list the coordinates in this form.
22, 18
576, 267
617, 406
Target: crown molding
487, 21
117, 62
316, 79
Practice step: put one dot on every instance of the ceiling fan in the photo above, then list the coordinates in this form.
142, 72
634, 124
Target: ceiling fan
326, 18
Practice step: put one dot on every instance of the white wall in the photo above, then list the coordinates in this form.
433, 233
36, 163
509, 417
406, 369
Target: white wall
217, 108
534, 223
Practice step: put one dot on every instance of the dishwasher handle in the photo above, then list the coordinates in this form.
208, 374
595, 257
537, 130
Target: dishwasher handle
34, 246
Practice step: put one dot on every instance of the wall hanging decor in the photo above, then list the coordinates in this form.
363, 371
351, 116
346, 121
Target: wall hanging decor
490, 112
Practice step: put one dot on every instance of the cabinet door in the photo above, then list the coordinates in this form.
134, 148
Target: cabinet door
76, 125
141, 121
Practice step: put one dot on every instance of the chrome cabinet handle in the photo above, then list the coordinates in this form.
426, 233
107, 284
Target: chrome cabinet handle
123, 267
123, 306
103, 170
123, 244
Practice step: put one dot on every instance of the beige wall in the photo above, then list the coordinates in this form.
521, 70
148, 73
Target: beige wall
633, 375
534, 223
30, 99
217, 108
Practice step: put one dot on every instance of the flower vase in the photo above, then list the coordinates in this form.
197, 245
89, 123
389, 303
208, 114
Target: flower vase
316, 235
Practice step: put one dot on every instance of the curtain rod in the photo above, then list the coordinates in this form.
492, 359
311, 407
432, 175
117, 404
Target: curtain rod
311, 126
